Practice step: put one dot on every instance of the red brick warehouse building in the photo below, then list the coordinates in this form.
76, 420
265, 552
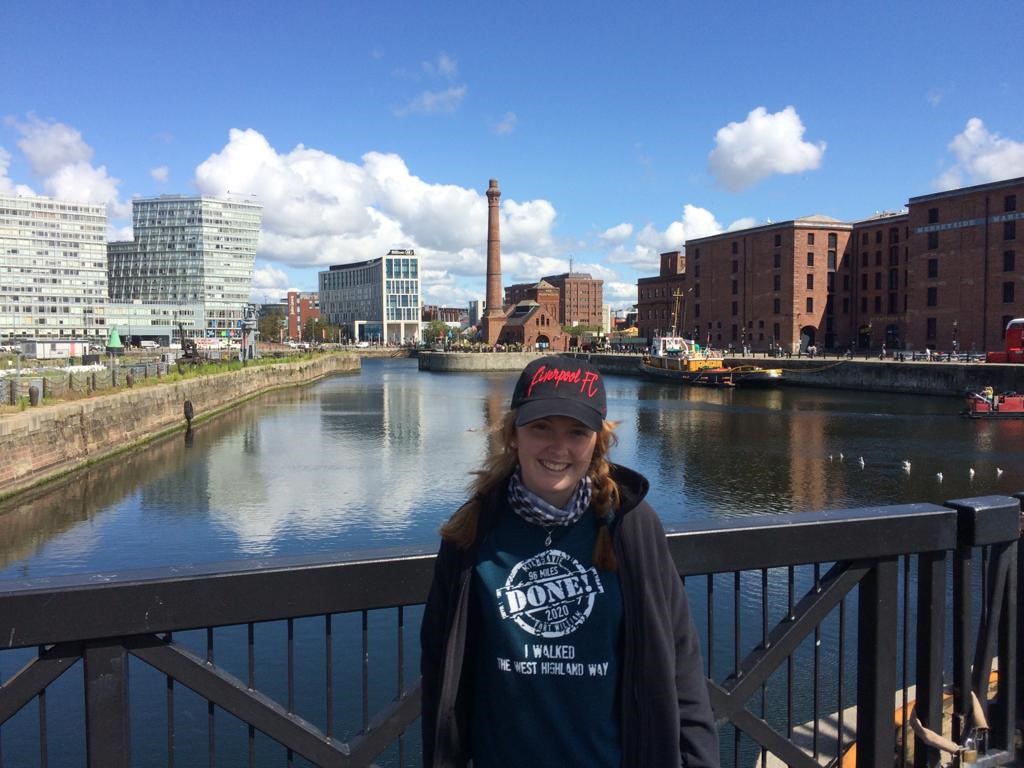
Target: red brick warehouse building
762, 287
943, 275
580, 297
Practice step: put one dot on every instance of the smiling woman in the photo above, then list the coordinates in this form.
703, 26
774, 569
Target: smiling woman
554, 585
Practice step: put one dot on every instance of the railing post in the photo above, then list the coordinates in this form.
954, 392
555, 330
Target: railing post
993, 522
931, 632
876, 665
106, 705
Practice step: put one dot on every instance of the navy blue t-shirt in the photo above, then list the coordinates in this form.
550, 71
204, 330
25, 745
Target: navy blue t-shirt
548, 653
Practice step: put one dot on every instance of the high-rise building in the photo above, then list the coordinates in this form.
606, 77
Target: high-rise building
53, 268
375, 300
190, 250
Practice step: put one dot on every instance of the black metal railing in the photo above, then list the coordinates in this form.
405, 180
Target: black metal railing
822, 631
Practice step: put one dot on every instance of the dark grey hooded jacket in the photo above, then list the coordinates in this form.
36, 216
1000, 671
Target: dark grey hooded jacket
666, 716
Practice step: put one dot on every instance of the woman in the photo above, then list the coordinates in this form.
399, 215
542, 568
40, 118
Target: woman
557, 631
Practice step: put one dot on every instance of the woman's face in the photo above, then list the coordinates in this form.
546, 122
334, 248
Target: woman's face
554, 454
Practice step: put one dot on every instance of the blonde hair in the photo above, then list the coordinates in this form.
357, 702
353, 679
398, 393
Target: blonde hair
461, 528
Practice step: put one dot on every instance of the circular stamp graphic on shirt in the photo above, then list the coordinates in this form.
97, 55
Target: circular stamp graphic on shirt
549, 594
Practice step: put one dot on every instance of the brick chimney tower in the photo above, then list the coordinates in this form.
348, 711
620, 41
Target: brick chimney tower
494, 315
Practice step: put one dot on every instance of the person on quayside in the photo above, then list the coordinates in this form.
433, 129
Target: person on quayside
557, 632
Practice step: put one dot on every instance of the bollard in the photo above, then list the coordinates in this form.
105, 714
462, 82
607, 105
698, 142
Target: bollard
33, 396
130, 380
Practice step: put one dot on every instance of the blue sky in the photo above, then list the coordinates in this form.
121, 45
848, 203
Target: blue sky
616, 130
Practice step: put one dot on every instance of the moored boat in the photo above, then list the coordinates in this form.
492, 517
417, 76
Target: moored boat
673, 357
683, 360
989, 405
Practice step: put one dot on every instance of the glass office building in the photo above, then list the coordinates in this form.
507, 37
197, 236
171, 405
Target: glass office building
376, 300
187, 251
53, 268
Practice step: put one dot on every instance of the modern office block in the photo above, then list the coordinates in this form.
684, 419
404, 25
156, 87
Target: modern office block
376, 300
190, 250
53, 268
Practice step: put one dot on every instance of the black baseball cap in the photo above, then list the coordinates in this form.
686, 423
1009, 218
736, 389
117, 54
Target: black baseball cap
560, 386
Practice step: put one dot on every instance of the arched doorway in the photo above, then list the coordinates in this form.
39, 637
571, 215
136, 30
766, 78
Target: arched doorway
807, 334
543, 342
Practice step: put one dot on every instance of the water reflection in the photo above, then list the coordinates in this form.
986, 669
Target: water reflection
381, 458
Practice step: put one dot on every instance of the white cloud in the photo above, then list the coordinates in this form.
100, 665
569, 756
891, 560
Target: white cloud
744, 223
7, 185
618, 233
159, 174
762, 145
981, 156
49, 146
269, 283
650, 243
320, 209
434, 102
443, 66
506, 125
617, 292
59, 156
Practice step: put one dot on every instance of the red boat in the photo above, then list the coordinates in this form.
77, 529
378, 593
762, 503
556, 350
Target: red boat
988, 405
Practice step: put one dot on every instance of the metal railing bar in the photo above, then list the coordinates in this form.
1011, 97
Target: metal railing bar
790, 597
737, 631
250, 641
876, 664
765, 642
771, 541
710, 612
329, 673
840, 699
227, 692
996, 576
962, 602
386, 726
816, 674
401, 676
904, 666
144, 603
289, 756
787, 636
761, 732
1009, 645
930, 637
107, 740
211, 723
35, 676
170, 713
43, 756
366, 671
290, 644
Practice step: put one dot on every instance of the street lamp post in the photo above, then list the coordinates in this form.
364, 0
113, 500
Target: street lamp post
956, 337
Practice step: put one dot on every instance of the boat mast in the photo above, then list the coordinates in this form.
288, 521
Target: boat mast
677, 294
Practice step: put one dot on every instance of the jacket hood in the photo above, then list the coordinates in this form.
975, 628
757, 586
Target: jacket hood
633, 487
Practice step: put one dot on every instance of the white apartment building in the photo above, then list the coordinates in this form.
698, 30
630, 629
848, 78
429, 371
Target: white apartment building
53, 268
376, 300
190, 251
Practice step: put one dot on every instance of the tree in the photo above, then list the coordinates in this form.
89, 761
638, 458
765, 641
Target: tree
435, 329
270, 325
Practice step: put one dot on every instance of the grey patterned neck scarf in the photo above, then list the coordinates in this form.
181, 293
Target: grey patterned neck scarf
533, 509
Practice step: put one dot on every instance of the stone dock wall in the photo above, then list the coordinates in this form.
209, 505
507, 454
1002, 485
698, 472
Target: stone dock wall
923, 378
40, 444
